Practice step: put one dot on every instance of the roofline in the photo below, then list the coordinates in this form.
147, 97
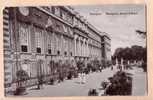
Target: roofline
106, 35
84, 20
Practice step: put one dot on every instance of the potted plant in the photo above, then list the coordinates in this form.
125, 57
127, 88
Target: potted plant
22, 77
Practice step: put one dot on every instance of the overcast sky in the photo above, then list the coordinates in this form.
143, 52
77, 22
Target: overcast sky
119, 21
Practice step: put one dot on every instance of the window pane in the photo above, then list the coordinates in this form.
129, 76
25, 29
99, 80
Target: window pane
24, 48
49, 51
23, 34
38, 50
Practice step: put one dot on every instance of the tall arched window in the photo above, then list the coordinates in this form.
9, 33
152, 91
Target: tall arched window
24, 36
49, 39
38, 40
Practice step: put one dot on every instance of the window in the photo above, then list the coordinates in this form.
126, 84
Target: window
71, 53
58, 52
53, 9
57, 11
38, 40
64, 15
75, 21
46, 8
24, 48
38, 50
49, 51
70, 31
69, 18
24, 36
49, 40
58, 27
65, 28
65, 53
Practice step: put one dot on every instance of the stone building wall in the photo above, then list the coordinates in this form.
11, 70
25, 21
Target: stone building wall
34, 34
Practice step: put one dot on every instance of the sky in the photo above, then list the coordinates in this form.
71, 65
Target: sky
119, 21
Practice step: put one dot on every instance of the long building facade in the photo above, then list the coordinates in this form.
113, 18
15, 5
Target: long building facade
45, 34
106, 47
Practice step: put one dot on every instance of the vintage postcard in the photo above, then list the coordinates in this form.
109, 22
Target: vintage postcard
75, 50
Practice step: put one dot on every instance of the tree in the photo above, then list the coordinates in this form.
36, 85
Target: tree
133, 53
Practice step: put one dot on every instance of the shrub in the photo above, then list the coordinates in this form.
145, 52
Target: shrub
92, 92
121, 84
96, 65
80, 66
22, 76
144, 66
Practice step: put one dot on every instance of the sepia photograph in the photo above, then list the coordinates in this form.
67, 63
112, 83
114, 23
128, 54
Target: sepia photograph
76, 50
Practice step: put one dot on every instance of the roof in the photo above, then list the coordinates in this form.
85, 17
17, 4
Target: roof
106, 35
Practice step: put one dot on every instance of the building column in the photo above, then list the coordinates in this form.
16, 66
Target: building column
75, 45
53, 44
84, 40
79, 50
62, 50
88, 48
81, 47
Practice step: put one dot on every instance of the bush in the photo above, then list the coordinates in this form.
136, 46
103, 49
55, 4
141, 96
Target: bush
80, 66
92, 92
108, 63
96, 65
103, 64
121, 84
144, 66
51, 81
61, 68
89, 66
22, 76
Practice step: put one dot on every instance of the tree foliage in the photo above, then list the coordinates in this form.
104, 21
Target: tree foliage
133, 53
